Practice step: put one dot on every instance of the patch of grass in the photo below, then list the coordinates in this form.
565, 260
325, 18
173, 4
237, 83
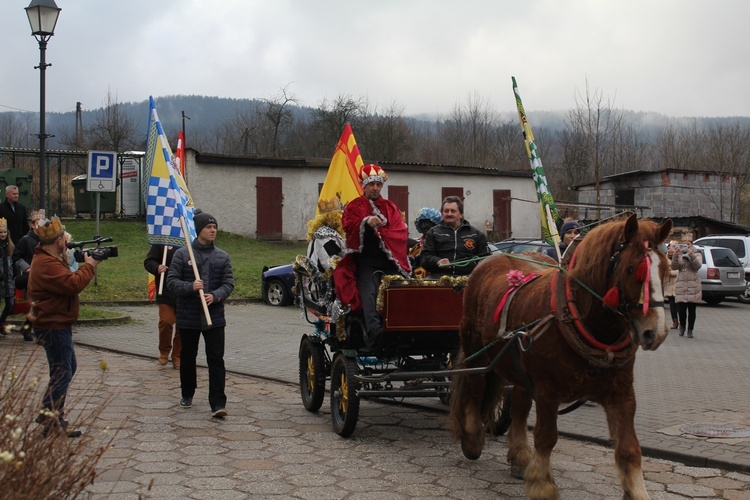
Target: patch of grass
123, 278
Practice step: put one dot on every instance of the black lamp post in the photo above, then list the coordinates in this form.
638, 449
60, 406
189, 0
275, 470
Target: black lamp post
43, 16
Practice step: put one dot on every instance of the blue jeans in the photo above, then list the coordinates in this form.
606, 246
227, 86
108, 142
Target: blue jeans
61, 357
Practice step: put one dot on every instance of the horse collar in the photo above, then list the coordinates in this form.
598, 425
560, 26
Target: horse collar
579, 338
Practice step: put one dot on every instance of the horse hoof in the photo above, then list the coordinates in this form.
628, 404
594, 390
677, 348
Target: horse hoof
516, 471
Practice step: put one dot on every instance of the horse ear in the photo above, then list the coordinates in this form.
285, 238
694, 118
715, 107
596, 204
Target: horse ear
664, 231
631, 229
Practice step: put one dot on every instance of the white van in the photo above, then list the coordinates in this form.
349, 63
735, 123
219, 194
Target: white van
740, 245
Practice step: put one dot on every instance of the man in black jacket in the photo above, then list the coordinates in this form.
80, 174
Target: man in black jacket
452, 240
167, 303
214, 266
15, 214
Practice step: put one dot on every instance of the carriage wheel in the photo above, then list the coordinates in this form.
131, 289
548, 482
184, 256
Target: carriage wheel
312, 374
502, 417
344, 398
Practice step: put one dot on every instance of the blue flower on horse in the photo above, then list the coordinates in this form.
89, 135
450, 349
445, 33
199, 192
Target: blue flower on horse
581, 330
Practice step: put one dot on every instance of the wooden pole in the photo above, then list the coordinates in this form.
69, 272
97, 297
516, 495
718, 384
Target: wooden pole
161, 276
195, 269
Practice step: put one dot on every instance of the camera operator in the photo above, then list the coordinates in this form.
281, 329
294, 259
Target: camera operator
687, 260
53, 290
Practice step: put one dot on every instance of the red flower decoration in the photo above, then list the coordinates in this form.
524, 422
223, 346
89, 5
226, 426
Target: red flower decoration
515, 278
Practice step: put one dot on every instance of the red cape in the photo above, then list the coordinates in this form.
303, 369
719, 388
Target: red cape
392, 235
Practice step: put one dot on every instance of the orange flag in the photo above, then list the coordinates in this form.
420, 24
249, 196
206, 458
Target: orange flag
151, 287
342, 181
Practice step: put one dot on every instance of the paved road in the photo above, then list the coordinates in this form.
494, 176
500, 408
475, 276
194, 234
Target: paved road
404, 451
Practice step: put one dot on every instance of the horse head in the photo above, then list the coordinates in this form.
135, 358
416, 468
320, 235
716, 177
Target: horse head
631, 281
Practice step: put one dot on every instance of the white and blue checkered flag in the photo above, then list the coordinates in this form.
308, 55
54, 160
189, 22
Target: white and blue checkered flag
167, 196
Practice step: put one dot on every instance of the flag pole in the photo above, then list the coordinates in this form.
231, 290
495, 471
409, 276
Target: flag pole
195, 268
161, 276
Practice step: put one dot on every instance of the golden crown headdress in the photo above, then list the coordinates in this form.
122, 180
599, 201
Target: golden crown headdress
49, 230
38, 215
3, 223
329, 205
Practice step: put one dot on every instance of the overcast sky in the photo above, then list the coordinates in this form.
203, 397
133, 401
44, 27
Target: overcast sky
676, 57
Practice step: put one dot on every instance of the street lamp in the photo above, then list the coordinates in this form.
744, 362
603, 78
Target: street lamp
43, 16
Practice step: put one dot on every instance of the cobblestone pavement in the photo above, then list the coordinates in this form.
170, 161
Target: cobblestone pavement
270, 445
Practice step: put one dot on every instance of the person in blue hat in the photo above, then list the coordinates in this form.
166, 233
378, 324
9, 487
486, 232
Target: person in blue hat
568, 233
425, 220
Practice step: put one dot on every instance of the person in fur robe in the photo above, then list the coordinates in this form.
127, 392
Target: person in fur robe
376, 245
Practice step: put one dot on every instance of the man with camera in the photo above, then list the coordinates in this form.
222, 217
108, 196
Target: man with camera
53, 290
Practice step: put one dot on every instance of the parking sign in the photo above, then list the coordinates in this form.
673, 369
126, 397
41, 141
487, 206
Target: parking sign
102, 171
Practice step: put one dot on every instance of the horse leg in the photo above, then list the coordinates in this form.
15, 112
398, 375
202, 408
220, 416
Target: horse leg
538, 476
466, 418
621, 422
519, 451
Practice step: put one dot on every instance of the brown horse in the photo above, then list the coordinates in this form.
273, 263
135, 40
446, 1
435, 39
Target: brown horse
582, 345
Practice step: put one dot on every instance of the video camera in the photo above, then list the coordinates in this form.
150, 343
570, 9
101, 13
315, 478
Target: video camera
98, 252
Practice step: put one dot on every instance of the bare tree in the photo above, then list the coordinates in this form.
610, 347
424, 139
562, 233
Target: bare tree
278, 115
594, 124
329, 120
113, 129
468, 132
14, 131
386, 135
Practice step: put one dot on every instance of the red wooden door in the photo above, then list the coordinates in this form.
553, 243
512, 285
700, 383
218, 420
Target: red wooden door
501, 214
400, 196
269, 209
451, 191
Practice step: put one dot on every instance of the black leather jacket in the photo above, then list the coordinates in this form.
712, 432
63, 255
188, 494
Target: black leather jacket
442, 242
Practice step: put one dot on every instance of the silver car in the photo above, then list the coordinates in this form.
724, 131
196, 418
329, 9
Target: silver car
722, 274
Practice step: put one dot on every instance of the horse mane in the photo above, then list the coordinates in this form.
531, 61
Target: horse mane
601, 243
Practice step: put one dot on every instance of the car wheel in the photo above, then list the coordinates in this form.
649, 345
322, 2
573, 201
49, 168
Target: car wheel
713, 301
745, 296
277, 294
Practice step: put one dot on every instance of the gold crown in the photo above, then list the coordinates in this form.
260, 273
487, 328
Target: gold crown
37, 215
3, 223
329, 205
49, 230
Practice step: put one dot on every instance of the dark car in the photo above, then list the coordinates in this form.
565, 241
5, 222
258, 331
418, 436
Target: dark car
522, 245
276, 285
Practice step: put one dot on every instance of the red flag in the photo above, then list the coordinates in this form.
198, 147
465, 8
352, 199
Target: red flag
180, 154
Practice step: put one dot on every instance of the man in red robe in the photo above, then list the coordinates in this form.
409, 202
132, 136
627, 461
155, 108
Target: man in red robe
376, 245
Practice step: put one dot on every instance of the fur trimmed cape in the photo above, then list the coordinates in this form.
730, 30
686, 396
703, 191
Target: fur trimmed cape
392, 235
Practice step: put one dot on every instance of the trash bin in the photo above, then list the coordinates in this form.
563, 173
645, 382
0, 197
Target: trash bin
85, 200
22, 180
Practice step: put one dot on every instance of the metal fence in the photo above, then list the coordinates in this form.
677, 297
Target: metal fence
62, 196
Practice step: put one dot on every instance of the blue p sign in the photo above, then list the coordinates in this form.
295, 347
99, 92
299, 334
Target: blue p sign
102, 170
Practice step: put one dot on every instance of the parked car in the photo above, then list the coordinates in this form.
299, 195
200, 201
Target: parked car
522, 245
276, 285
722, 274
740, 245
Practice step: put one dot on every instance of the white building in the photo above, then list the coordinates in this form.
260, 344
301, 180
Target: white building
274, 198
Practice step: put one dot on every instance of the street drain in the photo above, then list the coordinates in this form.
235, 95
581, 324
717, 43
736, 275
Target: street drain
716, 430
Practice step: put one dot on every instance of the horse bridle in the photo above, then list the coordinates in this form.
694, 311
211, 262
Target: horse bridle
624, 307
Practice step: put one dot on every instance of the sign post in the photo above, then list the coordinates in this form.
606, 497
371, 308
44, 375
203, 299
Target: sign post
102, 177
